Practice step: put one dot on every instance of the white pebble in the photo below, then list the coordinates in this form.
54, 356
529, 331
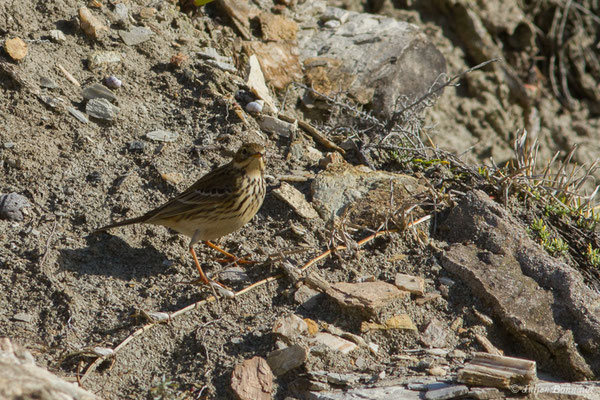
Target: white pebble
112, 82
255, 106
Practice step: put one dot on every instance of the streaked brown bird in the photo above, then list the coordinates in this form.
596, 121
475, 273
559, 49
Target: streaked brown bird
219, 203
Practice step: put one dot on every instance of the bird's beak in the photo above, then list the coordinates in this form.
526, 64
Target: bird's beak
257, 155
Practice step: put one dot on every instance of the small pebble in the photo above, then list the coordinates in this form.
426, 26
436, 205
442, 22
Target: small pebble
94, 177
122, 14
437, 371
97, 91
234, 275
374, 348
332, 24
78, 114
102, 109
91, 25
162, 136
11, 205
104, 59
112, 82
50, 101
137, 146
16, 48
255, 106
147, 12
208, 53
222, 65
135, 35
102, 351
47, 83
8, 145
446, 281
57, 36
23, 317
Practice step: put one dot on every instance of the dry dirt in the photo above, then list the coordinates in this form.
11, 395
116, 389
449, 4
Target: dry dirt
79, 290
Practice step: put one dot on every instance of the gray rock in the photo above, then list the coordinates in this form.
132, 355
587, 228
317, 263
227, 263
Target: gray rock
162, 136
223, 66
304, 153
23, 317
380, 393
112, 82
210, 53
485, 394
57, 36
51, 101
541, 300
427, 386
449, 392
342, 185
121, 14
290, 327
434, 334
234, 275
135, 35
331, 343
11, 206
365, 297
296, 200
284, 360
382, 58
48, 83
276, 126
20, 378
78, 114
342, 379
101, 109
307, 297
104, 60
98, 91
137, 146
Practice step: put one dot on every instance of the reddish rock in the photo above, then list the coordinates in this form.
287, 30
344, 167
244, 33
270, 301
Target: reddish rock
252, 380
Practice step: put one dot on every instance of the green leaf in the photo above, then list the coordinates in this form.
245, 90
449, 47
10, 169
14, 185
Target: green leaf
200, 3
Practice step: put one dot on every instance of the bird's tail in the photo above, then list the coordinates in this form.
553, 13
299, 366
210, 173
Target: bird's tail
122, 223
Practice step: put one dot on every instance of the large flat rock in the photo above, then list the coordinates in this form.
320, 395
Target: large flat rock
374, 59
343, 188
541, 300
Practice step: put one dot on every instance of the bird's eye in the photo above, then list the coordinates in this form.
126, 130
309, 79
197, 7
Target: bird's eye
244, 151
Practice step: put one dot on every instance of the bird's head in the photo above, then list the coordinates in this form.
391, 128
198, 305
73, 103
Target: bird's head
250, 157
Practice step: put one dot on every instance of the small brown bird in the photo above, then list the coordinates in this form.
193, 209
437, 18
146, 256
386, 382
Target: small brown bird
219, 203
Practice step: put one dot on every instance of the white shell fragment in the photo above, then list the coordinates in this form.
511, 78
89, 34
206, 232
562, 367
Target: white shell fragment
112, 82
255, 106
255, 80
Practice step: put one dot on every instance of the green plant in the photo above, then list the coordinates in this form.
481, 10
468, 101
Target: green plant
539, 227
554, 246
593, 256
164, 390
557, 246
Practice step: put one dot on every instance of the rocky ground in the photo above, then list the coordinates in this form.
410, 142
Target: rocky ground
466, 259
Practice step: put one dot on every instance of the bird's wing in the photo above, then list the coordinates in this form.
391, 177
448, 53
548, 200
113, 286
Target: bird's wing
204, 195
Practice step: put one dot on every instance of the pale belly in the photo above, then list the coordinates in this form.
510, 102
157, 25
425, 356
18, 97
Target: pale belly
210, 230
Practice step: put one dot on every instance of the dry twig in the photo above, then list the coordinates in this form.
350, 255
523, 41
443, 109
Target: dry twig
211, 299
